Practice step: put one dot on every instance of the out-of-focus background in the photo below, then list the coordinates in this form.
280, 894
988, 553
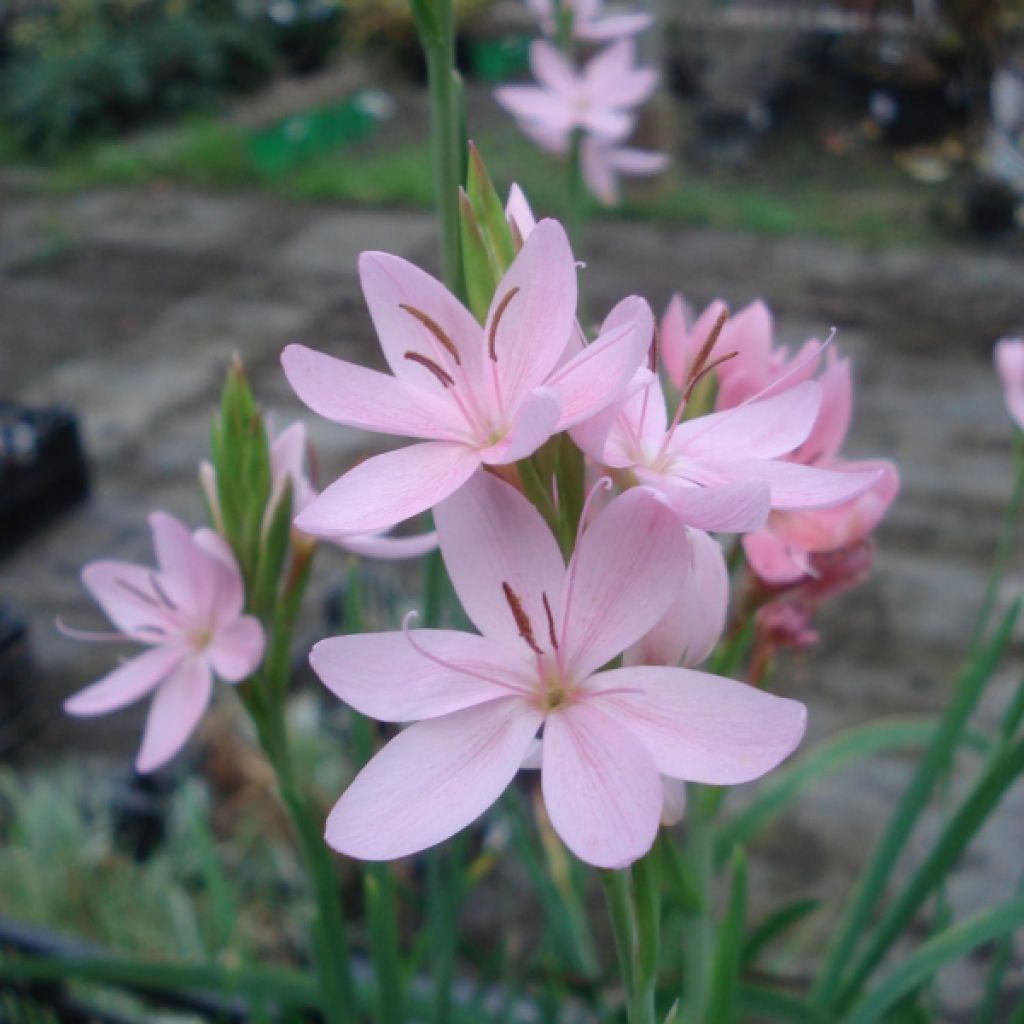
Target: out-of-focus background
181, 180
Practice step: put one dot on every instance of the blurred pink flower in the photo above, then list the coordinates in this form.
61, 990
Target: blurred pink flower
477, 395
598, 100
479, 701
188, 613
1009, 360
588, 23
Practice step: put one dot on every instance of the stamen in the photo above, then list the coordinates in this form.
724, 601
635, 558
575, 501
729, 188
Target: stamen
446, 379
89, 636
517, 235
551, 620
138, 592
705, 350
710, 368
652, 355
499, 312
523, 623
464, 670
161, 593
435, 329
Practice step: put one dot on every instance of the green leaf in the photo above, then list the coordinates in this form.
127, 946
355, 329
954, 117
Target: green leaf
477, 270
725, 967
1003, 769
828, 756
272, 554
933, 765
774, 925
490, 213
948, 946
761, 1003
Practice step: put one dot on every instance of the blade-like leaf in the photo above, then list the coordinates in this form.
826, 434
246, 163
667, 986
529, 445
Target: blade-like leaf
774, 925
725, 968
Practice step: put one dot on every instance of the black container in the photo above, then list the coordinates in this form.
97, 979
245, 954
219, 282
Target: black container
19, 713
42, 470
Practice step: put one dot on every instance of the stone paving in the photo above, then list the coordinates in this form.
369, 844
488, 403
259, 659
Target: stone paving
126, 306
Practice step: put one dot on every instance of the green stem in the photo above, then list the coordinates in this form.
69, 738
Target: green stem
698, 925
576, 198
647, 895
439, 49
1004, 546
617, 894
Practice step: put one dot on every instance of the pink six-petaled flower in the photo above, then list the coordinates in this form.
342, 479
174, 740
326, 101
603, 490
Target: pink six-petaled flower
478, 701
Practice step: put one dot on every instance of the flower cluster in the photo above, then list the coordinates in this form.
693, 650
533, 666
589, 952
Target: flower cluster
584, 663
596, 102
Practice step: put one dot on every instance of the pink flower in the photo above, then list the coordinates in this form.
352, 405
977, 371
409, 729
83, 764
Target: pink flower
782, 551
1009, 360
587, 21
478, 701
477, 395
598, 100
188, 613
755, 367
725, 471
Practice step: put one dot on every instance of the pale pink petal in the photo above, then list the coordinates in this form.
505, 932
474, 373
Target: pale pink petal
187, 577
828, 529
530, 333
237, 649
610, 125
601, 787
605, 71
518, 212
673, 803
773, 560
551, 69
599, 172
749, 333
622, 579
388, 677
598, 376
536, 419
389, 488
379, 545
640, 162
229, 588
629, 432
676, 351
833, 422
177, 706
723, 508
700, 727
1009, 361
125, 593
126, 684
540, 106
763, 429
693, 625
391, 283
432, 780
490, 535
368, 400
794, 486
288, 453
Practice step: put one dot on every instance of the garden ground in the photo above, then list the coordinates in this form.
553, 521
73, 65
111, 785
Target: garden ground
127, 305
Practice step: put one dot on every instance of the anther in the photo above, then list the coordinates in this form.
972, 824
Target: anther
694, 381
499, 312
517, 235
435, 329
522, 619
705, 350
446, 379
551, 620
652, 353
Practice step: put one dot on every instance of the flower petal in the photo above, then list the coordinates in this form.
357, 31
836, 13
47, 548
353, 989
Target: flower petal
187, 576
126, 684
368, 400
125, 593
673, 805
237, 649
700, 727
432, 780
762, 429
601, 787
794, 486
535, 421
551, 69
539, 106
491, 535
623, 577
229, 588
177, 706
693, 625
614, 26
389, 488
527, 332
384, 676
723, 508
598, 376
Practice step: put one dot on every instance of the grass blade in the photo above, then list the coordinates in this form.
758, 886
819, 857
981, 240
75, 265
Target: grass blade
725, 968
